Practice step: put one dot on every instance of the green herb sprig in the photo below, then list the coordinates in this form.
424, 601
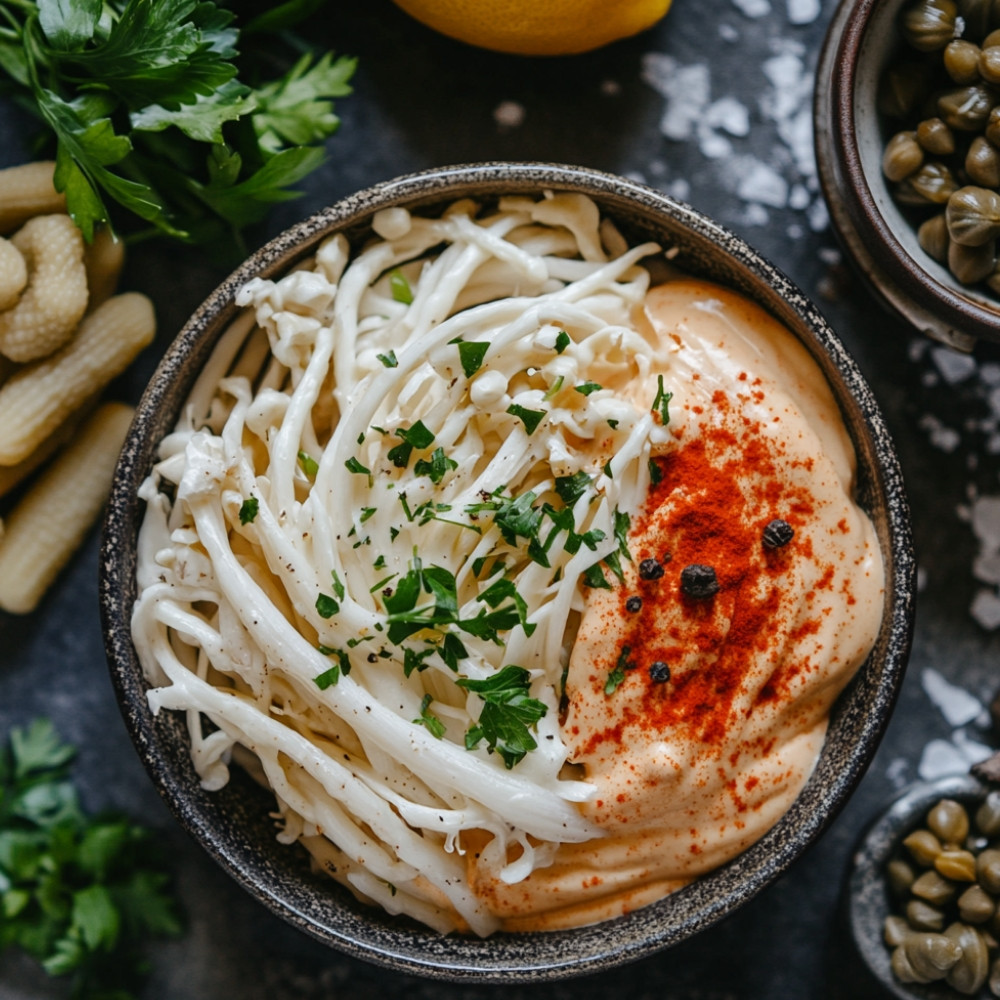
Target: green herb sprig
148, 112
78, 893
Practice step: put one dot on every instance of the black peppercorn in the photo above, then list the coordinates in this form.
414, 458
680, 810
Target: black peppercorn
699, 581
633, 604
778, 533
650, 569
659, 672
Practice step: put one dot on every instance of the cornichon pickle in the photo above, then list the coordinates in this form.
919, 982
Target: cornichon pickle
929, 24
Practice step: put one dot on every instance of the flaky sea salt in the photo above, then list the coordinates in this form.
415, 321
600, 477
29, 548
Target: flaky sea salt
956, 704
803, 11
753, 8
954, 366
759, 182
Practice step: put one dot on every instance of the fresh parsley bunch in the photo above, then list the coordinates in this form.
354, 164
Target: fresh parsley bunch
78, 893
149, 113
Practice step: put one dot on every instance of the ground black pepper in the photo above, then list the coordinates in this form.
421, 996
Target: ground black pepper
659, 672
778, 533
633, 604
650, 569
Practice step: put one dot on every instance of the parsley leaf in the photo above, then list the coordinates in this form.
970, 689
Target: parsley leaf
586, 388
562, 341
309, 464
78, 893
507, 713
389, 360
432, 722
248, 510
661, 402
149, 115
530, 418
436, 467
417, 436
471, 355
571, 488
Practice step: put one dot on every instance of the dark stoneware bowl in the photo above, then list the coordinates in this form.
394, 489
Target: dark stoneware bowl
850, 139
868, 893
233, 824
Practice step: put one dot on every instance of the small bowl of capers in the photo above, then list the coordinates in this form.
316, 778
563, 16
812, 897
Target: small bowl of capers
907, 133
924, 892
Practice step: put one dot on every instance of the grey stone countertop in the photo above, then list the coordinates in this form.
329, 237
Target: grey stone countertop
712, 105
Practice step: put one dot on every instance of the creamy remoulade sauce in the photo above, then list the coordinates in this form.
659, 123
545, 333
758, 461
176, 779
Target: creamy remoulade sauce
691, 770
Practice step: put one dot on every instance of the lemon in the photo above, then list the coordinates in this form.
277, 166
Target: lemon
537, 27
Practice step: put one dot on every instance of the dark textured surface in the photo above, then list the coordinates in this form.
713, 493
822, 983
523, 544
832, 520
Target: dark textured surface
422, 101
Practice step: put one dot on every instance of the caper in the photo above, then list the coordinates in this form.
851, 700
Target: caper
982, 162
900, 875
902, 969
988, 814
932, 956
929, 24
971, 264
935, 137
933, 183
922, 916
988, 870
966, 108
948, 821
959, 866
989, 64
961, 61
923, 846
975, 906
993, 38
895, 930
901, 89
994, 977
933, 237
902, 156
992, 130
933, 887
973, 215
969, 973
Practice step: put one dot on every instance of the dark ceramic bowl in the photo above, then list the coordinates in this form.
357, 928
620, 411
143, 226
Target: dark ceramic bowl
868, 892
233, 824
850, 138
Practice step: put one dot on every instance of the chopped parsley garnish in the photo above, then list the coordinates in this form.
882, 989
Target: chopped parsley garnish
617, 674
622, 524
530, 418
248, 510
594, 578
562, 341
661, 402
471, 354
379, 563
309, 464
389, 360
326, 606
434, 725
587, 388
508, 711
367, 512
353, 465
436, 468
655, 472
328, 678
571, 488
78, 893
417, 436
338, 587
400, 287
555, 387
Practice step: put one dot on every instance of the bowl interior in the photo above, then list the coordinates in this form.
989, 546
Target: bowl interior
233, 824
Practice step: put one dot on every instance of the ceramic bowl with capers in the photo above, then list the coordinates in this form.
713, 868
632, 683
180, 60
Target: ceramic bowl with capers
907, 131
925, 892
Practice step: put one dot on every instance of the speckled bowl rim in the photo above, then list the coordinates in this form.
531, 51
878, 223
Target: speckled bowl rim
327, 912
893, 274
868, 893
